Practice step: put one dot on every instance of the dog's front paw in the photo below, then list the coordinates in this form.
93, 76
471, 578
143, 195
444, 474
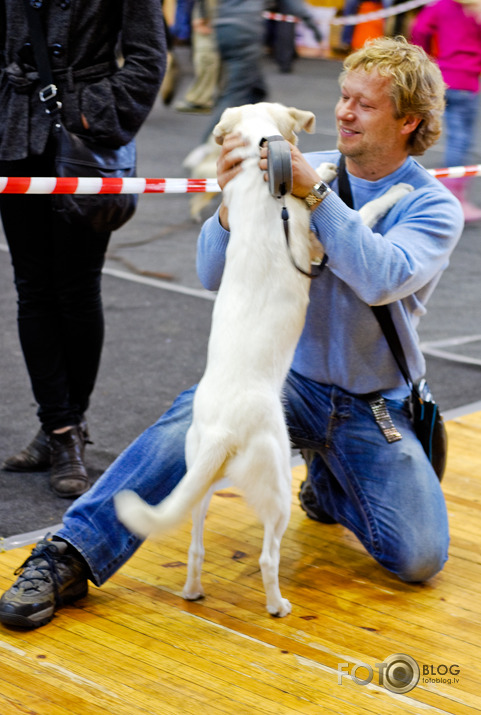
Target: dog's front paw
281, 609
397, 191
193, 592
327, 171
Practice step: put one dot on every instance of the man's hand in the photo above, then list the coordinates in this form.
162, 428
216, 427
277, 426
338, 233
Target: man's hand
304, 177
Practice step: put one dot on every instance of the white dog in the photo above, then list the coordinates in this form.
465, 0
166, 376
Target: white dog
238, 429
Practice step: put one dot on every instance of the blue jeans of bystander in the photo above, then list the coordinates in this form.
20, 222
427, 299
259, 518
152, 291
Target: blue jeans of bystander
460, 120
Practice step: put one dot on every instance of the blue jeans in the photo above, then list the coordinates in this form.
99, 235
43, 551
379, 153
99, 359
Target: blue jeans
460, 120
387, 494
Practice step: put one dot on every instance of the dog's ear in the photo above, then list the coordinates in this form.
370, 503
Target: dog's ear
226, 124
294, 120
303, 120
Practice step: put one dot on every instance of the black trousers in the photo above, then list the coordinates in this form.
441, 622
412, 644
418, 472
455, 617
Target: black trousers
281, 36
57, 270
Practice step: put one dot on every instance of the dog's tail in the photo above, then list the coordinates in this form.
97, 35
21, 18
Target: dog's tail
144, 520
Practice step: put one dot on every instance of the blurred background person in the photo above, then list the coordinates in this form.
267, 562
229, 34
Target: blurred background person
239, 31
181, 28
450, 30
202, 92
281, 35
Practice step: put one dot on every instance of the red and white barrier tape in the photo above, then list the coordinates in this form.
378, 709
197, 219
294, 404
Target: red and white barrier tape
379, 14
456, 172
357, 19
279, 17
93, 185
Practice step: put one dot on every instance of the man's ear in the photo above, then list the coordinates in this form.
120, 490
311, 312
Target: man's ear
410, 124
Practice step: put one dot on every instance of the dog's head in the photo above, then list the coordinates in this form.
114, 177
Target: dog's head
286, 120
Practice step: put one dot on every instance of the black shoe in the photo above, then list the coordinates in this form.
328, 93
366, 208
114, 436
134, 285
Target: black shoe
68, 478
84, 435
34, 458
52, 576
309, 504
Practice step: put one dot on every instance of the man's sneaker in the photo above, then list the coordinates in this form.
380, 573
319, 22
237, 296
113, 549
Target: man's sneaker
52, 576
310, 505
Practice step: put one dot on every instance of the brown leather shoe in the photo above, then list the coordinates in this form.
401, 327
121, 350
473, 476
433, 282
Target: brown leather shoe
68, 477
34, 458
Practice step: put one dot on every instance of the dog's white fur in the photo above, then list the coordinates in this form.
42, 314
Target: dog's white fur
238, 429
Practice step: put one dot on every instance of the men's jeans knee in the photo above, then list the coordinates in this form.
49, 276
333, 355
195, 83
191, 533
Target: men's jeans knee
386, 493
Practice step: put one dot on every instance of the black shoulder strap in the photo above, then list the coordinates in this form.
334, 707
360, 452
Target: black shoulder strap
382, 312
384, 318
345, 192
48, 91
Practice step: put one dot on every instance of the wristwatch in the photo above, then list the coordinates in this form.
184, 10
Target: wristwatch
317, 194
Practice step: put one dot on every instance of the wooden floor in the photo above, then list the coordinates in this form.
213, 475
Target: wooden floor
135, 646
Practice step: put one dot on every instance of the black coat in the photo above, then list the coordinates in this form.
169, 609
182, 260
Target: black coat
108, 59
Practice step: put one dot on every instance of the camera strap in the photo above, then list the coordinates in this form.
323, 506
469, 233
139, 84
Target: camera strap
376, 401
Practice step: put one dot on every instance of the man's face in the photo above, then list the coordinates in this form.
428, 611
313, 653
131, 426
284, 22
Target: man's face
368, 132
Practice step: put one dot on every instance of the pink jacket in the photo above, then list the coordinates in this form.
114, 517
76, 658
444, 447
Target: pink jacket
457, 42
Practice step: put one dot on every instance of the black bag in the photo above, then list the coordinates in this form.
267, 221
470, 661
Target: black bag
80, 156
429, 427
425, 415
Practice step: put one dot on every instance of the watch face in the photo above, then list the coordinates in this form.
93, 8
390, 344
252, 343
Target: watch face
320, 189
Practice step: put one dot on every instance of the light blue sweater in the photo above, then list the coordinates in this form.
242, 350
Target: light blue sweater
399, 262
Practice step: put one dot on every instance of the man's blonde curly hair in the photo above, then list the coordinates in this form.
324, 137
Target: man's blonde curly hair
417, 86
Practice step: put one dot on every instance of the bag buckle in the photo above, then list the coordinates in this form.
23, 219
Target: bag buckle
47, 94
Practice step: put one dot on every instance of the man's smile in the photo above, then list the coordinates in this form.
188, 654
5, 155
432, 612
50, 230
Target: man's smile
346, 132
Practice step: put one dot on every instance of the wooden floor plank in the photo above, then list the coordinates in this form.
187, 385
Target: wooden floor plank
135, 646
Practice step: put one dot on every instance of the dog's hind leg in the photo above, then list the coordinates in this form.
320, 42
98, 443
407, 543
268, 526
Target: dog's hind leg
193, 590
269, 563
266, 461
193, 587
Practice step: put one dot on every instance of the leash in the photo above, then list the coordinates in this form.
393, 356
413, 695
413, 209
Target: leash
279, 172
319, 267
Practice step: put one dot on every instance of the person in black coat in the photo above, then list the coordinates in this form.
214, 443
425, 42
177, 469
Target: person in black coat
57, 265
